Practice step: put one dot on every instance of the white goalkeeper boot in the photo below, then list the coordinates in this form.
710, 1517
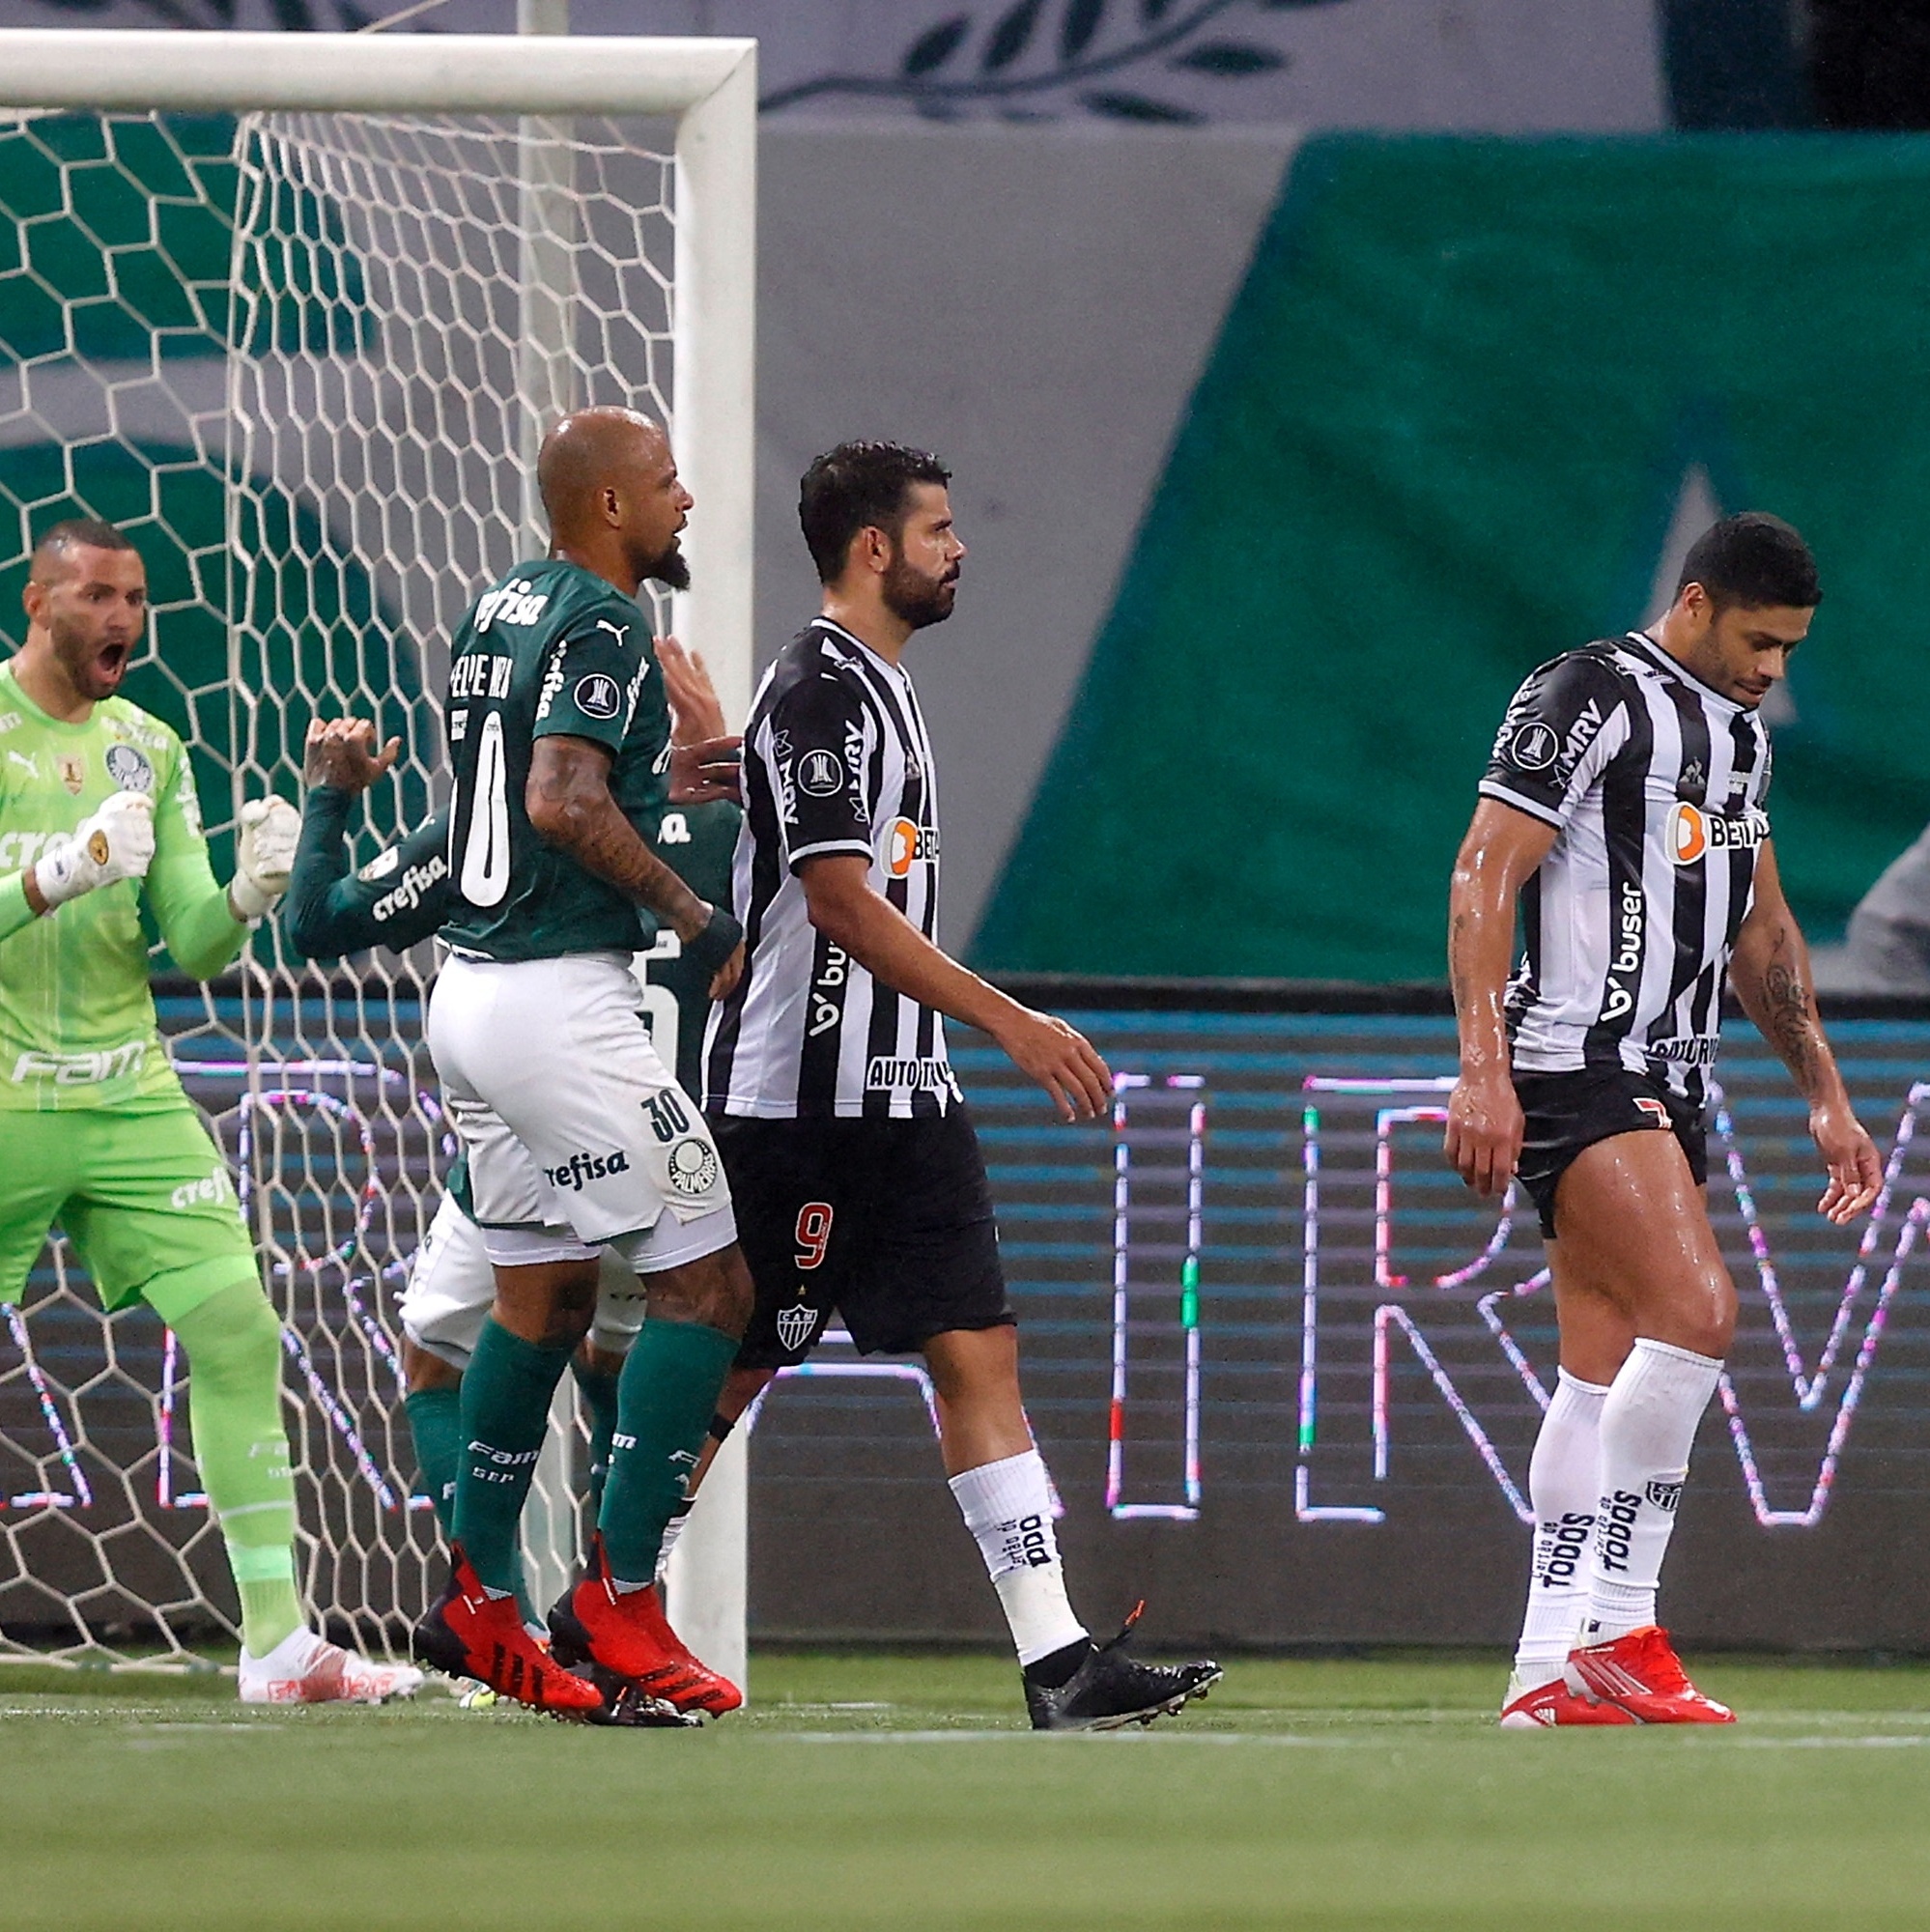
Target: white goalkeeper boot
304, 1669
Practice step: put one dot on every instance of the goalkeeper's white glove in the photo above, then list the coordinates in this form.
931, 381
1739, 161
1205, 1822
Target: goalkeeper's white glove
117, 842
264, 855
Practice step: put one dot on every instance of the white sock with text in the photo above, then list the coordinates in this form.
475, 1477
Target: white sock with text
1007, 1507
1647, 1426
1564, 1482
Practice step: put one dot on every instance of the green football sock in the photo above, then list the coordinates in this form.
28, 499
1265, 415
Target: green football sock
666, 1397
506, 1392
232, 1342
436, 1427
599, 1389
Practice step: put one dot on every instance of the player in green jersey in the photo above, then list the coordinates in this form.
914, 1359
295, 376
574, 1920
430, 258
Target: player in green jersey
403, 896
99, 823
577, 1133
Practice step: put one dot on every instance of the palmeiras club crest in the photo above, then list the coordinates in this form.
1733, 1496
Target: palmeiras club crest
794, 1326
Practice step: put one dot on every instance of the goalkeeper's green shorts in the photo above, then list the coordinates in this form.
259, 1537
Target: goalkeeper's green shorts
145, 1199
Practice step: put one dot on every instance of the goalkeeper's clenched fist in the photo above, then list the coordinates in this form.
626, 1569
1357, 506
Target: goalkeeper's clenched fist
116, 842
265, 844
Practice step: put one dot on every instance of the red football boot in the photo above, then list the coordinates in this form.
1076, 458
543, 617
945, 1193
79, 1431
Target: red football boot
1641, 1674
469, 1633
1549, 1705
624, 1636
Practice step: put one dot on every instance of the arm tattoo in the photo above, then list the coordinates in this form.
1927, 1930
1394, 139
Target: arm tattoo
1788, 1018
571, 781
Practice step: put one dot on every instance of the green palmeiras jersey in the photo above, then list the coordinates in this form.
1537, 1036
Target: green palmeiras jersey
551, 649
403, 895
76, 1016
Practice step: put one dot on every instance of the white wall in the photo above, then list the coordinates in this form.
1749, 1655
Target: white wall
1035, 304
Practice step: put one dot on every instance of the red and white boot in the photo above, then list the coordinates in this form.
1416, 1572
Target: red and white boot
1640, 1674
1547, 1706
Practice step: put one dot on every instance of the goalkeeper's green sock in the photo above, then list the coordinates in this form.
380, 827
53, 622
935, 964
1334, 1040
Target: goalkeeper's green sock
506, 1392
233, 1343
436, 1427
666, 1397
599, 1389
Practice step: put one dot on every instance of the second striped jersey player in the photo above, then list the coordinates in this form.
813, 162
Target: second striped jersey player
1622, 812
1657, 784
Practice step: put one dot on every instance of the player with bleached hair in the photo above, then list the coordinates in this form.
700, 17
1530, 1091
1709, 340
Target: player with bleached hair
98, 822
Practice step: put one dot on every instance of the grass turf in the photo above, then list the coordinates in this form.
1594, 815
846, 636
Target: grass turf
863, 1792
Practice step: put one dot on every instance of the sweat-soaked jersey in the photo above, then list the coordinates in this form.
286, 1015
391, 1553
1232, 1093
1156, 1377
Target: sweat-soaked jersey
550, 649
77, 1022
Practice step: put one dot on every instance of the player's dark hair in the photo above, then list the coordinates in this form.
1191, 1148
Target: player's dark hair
859, 486
80, 533
1754, 560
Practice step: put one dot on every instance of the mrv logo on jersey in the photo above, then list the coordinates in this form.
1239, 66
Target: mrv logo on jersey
1692, 834
582, 1168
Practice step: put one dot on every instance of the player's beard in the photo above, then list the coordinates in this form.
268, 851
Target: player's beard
916, 599
669, 568
94, 667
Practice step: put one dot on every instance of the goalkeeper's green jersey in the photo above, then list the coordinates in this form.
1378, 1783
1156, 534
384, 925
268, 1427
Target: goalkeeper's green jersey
76, 1016
552, 648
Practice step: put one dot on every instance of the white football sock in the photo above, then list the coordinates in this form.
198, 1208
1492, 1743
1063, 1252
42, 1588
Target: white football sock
1648, 1428
1007, 1506
1564, 1481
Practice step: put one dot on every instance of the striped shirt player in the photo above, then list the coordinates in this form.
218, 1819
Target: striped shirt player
850, 1152
837, 760
1655, 784
1622, 813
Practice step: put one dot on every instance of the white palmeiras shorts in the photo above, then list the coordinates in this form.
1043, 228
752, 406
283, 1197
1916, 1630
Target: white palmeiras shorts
578, 1135
452, 1286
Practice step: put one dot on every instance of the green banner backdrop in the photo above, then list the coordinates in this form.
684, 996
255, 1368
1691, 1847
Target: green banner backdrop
1441, 439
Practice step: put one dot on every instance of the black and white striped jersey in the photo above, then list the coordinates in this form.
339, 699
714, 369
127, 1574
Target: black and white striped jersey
835, 760
1657, 784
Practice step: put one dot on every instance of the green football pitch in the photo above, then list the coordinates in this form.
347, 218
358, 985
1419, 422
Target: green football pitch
900, 1791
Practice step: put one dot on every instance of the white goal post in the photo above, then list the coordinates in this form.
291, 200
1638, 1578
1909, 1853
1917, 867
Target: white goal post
710, 86
524, 104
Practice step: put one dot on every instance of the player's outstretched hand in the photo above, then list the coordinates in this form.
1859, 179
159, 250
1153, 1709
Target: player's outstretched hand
265, 843
1483, 1133
340, 753
1062, 1060
117, 841
1849, 1156
697, 713
712, 769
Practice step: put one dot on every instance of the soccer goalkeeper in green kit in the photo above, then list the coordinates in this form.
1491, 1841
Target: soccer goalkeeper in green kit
97, 820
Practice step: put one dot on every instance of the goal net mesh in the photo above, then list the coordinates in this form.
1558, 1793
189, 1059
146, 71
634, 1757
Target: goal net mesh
304, 361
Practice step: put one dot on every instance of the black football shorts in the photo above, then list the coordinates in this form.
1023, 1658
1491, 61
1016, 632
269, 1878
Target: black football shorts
887, 1223
1567, 1112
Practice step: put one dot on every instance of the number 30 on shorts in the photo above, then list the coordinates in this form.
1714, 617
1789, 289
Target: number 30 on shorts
813, 1234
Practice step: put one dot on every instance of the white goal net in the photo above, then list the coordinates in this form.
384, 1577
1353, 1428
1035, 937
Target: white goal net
303, 359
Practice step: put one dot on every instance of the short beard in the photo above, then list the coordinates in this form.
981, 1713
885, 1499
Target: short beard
915, 600
671, 568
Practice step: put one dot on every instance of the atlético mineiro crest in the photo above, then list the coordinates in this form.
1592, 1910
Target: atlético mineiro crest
794, 1326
